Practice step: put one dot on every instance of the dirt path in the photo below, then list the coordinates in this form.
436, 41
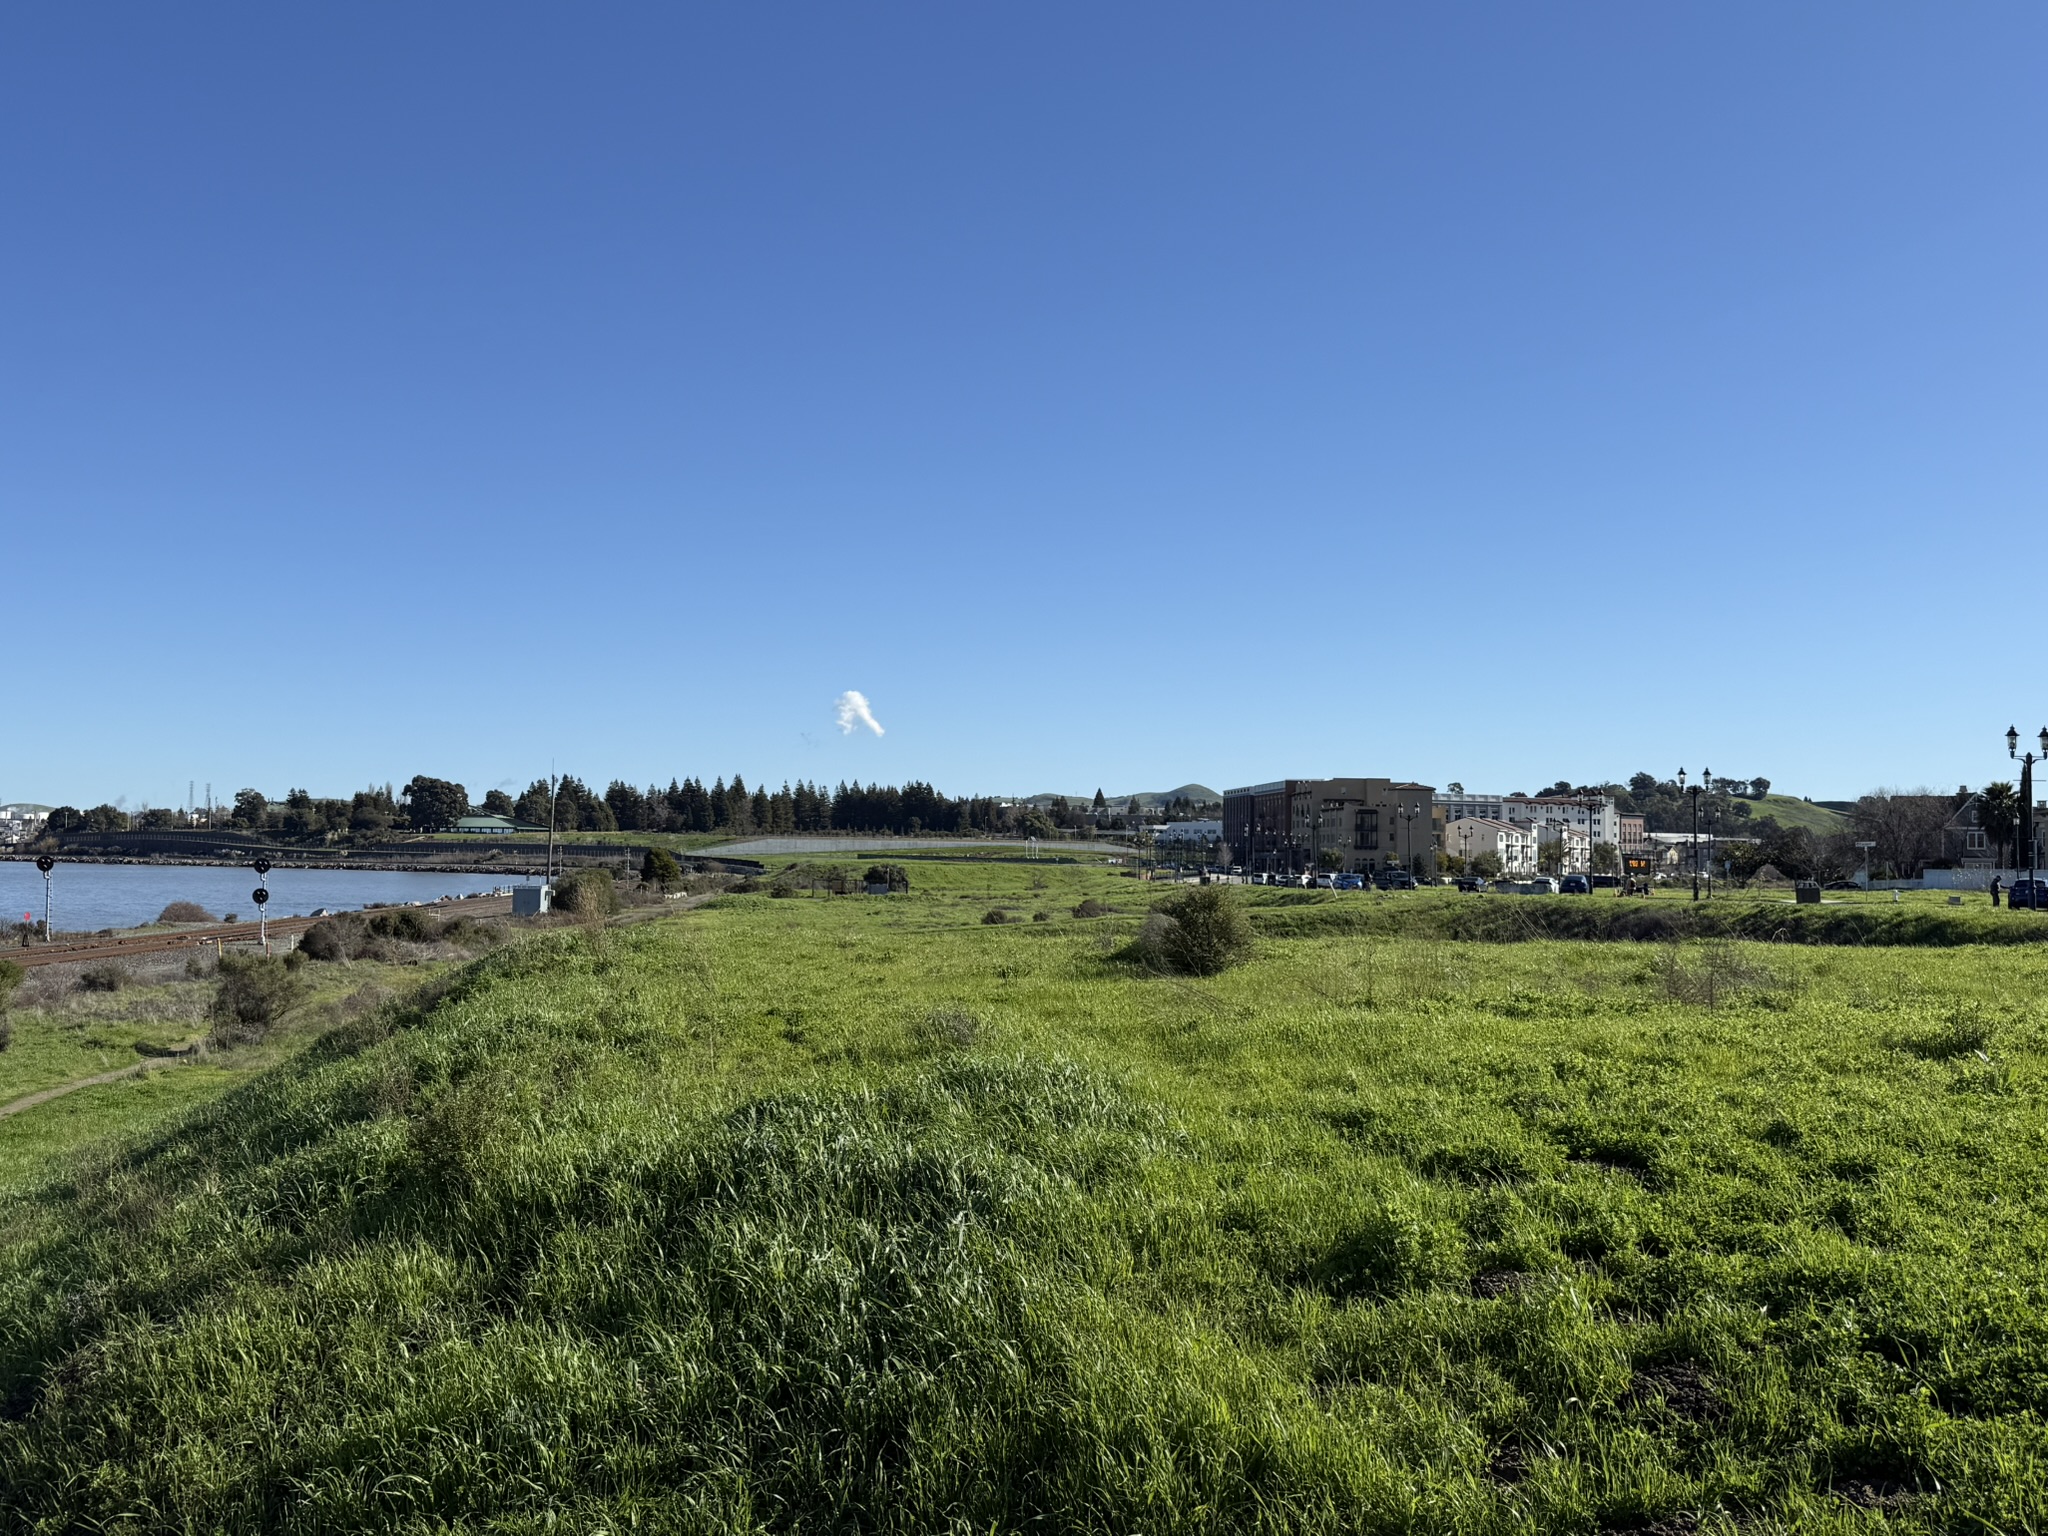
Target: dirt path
30, 1101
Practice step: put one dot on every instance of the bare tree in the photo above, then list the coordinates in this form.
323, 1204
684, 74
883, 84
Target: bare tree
1906, 826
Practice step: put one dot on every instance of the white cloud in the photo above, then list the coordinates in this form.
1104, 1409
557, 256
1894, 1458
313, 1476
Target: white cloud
853, 713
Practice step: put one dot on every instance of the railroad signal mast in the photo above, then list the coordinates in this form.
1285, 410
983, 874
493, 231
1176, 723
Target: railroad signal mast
261, 896
46, 864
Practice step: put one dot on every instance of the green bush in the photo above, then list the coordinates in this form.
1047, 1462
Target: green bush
1091, 908
894, 876
184, 912
108, 976
1198, 932
407, 923
660, 868
253, 994
996, 917
329, 940
587, 893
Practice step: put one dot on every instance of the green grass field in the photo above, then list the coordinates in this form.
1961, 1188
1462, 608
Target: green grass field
851, 1214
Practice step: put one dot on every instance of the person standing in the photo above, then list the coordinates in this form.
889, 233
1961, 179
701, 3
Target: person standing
1995, 887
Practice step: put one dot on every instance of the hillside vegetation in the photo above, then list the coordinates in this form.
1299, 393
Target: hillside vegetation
863, 1214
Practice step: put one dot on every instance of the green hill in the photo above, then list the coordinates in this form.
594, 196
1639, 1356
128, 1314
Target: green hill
1791, 811
815, 1214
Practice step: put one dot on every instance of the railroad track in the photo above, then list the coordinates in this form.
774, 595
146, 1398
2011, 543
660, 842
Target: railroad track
77, 950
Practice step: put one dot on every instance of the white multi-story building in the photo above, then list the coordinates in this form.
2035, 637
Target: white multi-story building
21, 821
1514, 845
1575, 857
1594, 815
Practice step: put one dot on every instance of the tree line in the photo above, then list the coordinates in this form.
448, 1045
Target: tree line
428, 804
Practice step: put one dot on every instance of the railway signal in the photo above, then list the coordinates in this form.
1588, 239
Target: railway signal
45, 863
261, 897
262, 867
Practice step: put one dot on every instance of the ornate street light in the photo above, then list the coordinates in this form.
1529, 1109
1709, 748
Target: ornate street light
1707, 777
2026, 762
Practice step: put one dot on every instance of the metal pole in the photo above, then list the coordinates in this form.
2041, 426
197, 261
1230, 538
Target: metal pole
48, 932
1695, 842
2026, 814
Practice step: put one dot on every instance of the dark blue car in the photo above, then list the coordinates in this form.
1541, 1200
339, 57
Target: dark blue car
2029, 893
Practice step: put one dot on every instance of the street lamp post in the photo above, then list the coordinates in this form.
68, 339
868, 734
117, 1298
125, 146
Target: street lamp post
1694, 791
2026, 762
1408, 813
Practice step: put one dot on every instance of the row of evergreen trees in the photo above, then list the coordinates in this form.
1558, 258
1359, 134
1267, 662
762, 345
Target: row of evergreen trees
687, 806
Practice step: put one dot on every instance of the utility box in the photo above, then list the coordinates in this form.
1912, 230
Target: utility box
1806, 892
532, 900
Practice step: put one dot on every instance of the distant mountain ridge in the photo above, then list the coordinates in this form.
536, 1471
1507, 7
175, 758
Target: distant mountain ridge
1148, 800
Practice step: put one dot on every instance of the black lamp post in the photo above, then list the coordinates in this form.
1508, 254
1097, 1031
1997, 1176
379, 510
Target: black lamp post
2012, 749
1705, 774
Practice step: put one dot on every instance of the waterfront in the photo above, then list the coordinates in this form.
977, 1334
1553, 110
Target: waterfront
89, 897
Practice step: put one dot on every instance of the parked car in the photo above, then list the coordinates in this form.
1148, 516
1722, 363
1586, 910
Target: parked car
1575, 885
1471, 882
1394, 880
1326, 882
1350, 882
1541, 885
2032, 894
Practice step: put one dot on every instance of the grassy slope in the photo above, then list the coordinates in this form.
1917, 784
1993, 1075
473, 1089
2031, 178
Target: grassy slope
1791, 811
824, 1214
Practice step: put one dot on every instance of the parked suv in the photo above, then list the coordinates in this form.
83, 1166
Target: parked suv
1575, 885
1471, 882
2029, 893
1394, 880
1350, 882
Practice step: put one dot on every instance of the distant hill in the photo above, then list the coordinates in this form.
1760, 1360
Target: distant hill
1791, 811
1148, 799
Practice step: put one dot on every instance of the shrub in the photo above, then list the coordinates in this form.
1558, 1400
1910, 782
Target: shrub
407, 923
995, 916
1041, 917
108, 976
587, 893
325, 940
1091, 908
894, 876
184, 912
1199, 932
255, 991
660, 868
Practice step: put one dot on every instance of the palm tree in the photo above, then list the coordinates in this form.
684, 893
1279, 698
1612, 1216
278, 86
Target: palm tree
1998, 814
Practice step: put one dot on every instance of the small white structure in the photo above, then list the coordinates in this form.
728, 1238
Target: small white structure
532, 900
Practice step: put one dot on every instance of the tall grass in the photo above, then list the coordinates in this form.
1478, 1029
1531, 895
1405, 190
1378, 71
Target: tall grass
828, 1214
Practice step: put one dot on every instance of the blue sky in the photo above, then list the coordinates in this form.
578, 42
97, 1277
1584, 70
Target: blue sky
1114, 395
